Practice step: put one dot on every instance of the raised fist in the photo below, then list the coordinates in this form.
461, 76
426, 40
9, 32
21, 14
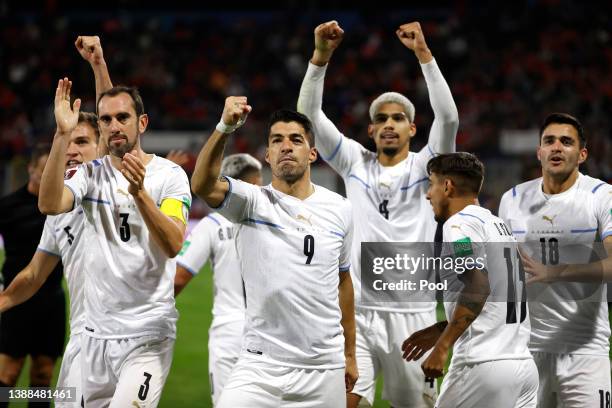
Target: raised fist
66, 116
90, 49
328, 36
235, 110
411, 35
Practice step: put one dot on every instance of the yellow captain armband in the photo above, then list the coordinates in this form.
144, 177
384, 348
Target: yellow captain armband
175, 208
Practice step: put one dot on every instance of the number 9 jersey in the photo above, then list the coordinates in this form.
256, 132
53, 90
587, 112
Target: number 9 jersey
291, 252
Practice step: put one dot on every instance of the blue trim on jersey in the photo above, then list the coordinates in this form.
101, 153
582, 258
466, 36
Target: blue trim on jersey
337, 233
229, 192
48, 252
335, 152
188, 269
262, 222
578, 231
514, 191
597, 187
606, 235
357, 178
94, 200
345, 268
214, 219
431, 151
519, 231
96, 162
414, 184
470, 215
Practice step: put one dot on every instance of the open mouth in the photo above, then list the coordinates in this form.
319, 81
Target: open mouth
73, 163
556, 160
389, 136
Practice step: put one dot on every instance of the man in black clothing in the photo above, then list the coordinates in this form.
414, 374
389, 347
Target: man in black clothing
36, 327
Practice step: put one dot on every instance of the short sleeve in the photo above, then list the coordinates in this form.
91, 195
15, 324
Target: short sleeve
198, 246
463, 238
77, 180
603, 210
239, 201
48, 241
345, 251
177, 187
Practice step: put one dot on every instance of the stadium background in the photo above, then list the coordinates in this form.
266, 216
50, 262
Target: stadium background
508, 65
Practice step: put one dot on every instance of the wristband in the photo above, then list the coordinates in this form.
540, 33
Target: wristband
224, 128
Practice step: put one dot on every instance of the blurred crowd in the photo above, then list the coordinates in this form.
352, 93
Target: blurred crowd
507, 66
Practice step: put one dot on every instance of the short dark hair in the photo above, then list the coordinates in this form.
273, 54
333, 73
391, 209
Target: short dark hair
91, 119
287, 115
130, 90
39, 150
246, 172
565, 118
465, 170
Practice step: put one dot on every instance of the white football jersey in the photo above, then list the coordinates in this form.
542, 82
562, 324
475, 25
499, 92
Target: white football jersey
389, 202
501, 330
213, 238
129, 281
291, 253
62, 237
560, 323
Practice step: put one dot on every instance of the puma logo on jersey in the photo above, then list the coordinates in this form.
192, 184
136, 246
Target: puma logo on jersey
300, 217
549, 219
122, 191
383, 184
135, 404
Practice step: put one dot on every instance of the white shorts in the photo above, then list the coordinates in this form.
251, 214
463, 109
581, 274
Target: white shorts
499, 384
224, 343
573, 380
256, 383
125, 372
70, 371
378, 349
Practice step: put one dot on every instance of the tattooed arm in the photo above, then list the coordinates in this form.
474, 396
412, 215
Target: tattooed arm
471, 301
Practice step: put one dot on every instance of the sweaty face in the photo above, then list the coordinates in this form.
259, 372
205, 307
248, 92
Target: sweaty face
559, 151
289, 152
437, 197
119, 125
391, 129
82, 147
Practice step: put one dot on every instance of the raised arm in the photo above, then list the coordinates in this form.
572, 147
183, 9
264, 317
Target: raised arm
54, 197
446, 122
328, 142
28, 280
205, 181
90, 49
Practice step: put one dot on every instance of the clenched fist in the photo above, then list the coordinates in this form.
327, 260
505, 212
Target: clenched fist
411, 35
90, 49
328, 37
235, 111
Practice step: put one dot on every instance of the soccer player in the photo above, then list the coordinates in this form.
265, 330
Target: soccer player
293, 242
20, 328
213, 238
61, 239
387, 189
569, 333
491, 364
135, 208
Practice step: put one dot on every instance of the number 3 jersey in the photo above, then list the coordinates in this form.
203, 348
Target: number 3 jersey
501, 330
565, 317
62, 237
129, 280
291, 253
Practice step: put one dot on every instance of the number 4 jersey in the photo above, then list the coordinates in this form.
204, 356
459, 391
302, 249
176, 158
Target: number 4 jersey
501, 330
560, 322
291, 253
129, 280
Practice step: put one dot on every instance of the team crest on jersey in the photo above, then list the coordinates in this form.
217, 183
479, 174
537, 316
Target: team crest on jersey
69, 173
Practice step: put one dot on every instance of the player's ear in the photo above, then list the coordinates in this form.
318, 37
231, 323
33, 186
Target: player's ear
267, 155
584, 153
539, 154
371, 131
143, 121
312, 155
413, 130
